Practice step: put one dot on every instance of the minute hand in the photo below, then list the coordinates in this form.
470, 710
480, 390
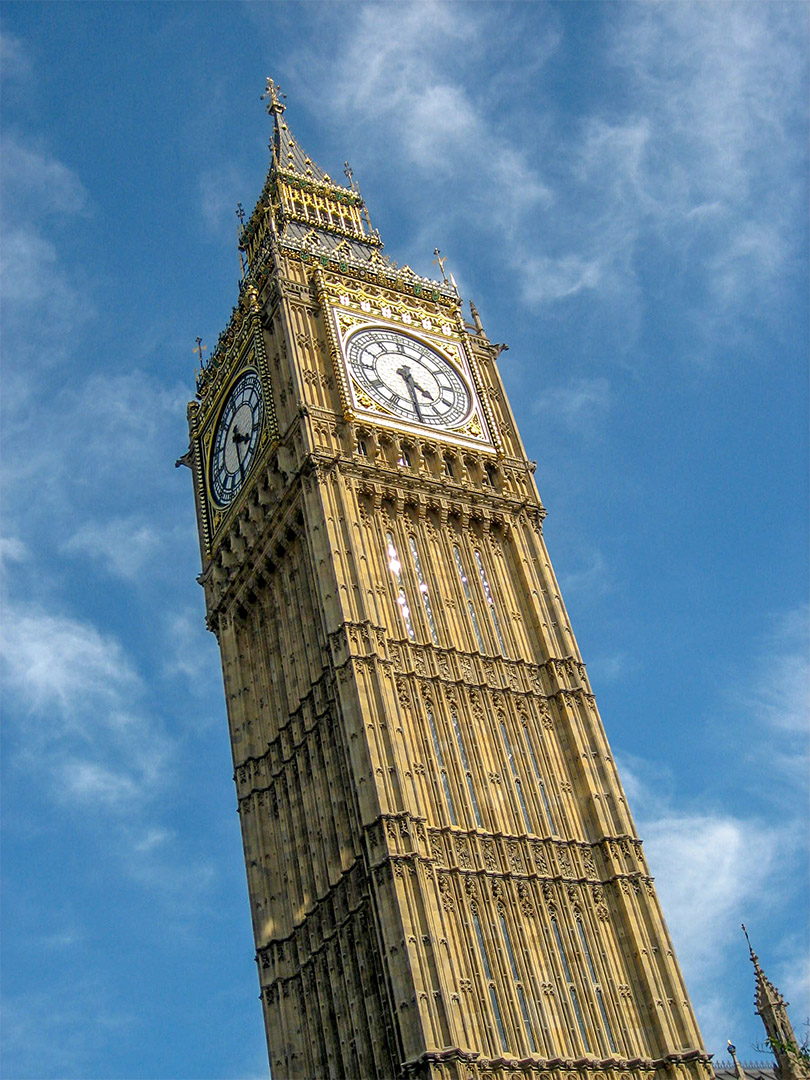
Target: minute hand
405, 374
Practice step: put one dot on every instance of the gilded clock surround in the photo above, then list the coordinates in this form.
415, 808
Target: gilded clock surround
352, 305
444, 877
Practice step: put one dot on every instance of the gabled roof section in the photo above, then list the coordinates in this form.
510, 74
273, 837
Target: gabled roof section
288, 154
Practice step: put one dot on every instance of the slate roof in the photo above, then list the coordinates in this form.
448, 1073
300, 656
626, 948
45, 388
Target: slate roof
724, 1070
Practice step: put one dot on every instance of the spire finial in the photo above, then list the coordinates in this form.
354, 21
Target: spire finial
754, 957
199, 350
274, 97
439, 261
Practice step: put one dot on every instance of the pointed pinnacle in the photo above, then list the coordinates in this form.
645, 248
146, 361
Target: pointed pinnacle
754, 957
273, 96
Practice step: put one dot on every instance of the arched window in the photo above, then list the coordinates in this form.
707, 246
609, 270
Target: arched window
493, 997
423, 589
470, 607
437, 749
524, 1008
572, 990
516, 778
468, 772
540, 784
597, 988
490, 602
395, 566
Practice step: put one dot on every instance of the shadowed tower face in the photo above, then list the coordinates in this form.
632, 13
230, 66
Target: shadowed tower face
444, 876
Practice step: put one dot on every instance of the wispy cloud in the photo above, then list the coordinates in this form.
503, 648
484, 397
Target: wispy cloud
593, 577
15, 62
75, 692
220, 191
713, 871
696, 171
770, 699
581, 405
398, 73
122, 545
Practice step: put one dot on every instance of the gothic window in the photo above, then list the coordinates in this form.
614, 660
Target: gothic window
466, 587
423, 589
572, 990
437, 749
362, 448
404, 461
493, 997
516, 778
540, 784
468, 772
490, 601
449, 468
395, 567
597, 988
518, 982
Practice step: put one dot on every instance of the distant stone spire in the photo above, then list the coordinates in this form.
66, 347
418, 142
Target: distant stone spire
772, 1008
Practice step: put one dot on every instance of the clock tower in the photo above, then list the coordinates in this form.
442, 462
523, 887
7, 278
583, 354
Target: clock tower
444, 876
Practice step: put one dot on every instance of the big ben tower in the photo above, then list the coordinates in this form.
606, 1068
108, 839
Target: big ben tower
445, 879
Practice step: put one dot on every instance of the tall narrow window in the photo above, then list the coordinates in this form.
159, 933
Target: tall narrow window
516, 778
466, 587
572, 992
597, 988
423, 589
467, 770
540, 784
396, 569
490, 601
518, 985
437, 749
493, 997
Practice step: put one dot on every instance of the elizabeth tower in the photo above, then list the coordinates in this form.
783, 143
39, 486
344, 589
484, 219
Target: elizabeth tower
444, 876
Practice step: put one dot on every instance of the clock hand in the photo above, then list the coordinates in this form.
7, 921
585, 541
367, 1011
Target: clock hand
238, 439
405, 374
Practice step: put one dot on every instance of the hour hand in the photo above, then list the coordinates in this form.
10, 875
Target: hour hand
405, 374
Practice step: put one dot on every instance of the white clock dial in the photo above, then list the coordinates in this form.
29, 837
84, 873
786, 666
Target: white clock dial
408, 377
236, 438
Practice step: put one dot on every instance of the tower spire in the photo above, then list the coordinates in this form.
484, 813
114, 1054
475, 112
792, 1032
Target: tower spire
288, 154
772, 1008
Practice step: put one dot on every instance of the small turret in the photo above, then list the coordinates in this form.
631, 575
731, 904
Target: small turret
791, 1063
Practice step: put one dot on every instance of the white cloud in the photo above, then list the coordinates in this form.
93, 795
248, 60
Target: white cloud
72, 694
697, 169
398, 74
593, 578
122, 545
112, 433
547, 278
713, 870
40, 197
12, 550
770, 699
221, 189
710, 160
38, 185
58, 663
581, 405
15, 63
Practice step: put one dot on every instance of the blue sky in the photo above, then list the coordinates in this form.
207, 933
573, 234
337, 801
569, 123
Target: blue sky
622, 190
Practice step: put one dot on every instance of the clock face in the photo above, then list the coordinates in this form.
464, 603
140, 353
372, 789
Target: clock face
236, 438
408, 377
